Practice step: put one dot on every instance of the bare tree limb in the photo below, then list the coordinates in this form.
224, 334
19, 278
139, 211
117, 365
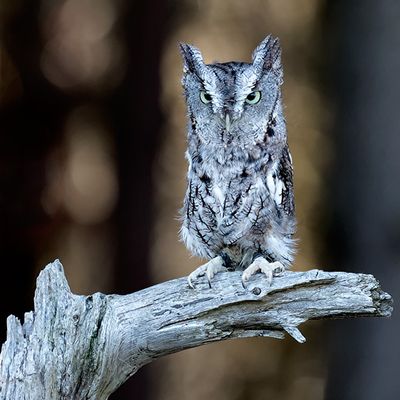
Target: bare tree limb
85, 347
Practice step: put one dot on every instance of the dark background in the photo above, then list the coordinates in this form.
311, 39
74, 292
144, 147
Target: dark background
92, 171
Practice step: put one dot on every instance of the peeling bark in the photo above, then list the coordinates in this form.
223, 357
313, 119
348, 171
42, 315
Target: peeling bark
85, 347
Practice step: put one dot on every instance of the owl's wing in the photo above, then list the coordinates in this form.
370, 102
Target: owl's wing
285, 175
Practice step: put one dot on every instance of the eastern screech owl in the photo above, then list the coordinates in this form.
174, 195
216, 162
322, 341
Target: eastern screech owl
239, 206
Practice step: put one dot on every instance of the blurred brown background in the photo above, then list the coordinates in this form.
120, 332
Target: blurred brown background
92, 136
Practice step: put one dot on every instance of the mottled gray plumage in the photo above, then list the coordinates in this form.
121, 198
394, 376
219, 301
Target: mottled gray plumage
239, 204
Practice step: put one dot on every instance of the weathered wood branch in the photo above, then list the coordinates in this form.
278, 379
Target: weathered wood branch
85, 347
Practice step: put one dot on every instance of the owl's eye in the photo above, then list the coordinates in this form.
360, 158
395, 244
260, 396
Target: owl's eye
253, 97
205, 97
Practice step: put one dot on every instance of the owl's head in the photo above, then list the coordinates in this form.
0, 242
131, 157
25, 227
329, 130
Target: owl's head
235, 103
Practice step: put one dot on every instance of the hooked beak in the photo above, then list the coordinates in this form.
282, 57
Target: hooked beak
227, 122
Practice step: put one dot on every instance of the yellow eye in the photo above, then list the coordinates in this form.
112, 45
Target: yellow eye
253, 97
205, 97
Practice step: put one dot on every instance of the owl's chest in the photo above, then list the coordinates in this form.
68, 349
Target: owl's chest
229, 195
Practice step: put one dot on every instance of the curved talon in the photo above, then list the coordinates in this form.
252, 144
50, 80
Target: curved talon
209, 277
190, 283
261, 264
210, 274
269, 276
194, 275
209, 269
244, 283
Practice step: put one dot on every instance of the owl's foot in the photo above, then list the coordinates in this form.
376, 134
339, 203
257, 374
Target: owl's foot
267, 268
208, 269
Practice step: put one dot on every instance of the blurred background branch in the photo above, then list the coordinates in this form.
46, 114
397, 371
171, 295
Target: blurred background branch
92, 171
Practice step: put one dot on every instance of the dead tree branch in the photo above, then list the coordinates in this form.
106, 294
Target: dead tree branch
85, 347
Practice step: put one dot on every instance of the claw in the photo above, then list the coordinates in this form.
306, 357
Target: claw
190, 283
209, 269
195, 274
269, 276
209, 277
261, 264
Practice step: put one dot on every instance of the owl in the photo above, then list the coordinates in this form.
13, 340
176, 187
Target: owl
238, 209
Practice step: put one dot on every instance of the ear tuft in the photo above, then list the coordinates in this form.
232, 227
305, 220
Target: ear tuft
267, 55
192, 59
